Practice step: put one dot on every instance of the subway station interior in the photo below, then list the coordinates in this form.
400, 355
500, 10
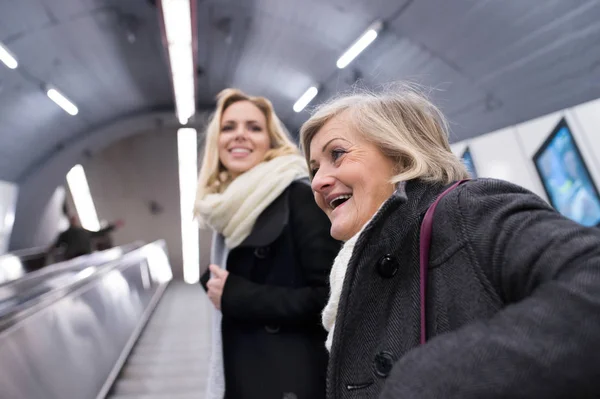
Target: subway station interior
104, 108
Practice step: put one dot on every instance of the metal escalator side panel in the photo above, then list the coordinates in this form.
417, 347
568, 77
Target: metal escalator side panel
68, 349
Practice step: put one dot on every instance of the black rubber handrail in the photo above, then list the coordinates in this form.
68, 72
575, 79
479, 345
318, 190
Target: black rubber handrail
69, 265
30, 307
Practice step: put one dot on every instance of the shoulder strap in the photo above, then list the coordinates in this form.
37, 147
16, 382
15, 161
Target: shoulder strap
425, 244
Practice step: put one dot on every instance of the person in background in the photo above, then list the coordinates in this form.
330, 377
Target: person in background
508, 304
271, 256
77, 241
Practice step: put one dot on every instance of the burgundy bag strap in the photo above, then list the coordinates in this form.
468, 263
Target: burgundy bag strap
425, 244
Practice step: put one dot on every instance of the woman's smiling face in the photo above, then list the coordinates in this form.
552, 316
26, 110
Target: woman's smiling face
351, 177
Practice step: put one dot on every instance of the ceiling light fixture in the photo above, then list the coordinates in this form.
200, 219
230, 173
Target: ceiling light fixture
7, 57
62, 101
359, 45
177, 16
305, 99
187, 149
80, 191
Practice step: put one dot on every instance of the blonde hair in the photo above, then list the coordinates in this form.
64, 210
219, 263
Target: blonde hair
402, 123
213, 175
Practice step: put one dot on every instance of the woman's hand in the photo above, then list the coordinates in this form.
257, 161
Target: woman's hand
216, 284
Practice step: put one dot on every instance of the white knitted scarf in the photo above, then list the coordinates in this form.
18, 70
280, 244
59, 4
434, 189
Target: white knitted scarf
234, 211
336, 281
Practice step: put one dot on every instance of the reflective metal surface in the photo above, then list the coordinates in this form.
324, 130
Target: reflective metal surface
11, 268
68, 345
19, 291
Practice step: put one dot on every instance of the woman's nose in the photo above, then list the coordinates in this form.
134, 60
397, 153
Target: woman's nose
240, 133
321, 182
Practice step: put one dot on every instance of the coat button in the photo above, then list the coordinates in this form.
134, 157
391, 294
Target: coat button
384, 362
262, 252
387, 266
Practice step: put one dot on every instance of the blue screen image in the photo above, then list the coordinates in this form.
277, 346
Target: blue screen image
467, 159
567, 180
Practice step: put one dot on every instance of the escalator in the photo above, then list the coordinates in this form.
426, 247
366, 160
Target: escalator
170, 359
19, 294
67, 331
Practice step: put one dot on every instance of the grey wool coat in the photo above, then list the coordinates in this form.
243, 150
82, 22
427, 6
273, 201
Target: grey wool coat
513, 308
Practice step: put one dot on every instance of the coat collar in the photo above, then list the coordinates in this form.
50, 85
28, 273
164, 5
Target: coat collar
396, 220
270, 224
409, 202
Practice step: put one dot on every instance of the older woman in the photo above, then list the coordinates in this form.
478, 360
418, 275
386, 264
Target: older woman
509, 300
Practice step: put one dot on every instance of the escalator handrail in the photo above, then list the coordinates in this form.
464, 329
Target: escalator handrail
68, 265
25, 310
24, 253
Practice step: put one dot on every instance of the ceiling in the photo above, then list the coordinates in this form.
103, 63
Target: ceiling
491, 63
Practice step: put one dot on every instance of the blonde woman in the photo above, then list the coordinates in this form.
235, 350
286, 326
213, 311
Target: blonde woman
492, 294
271, 256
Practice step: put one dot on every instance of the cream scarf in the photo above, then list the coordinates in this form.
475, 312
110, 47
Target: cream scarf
336, 282
233, 212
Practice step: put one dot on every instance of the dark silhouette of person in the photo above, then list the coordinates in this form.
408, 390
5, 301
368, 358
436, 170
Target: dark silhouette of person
77, 241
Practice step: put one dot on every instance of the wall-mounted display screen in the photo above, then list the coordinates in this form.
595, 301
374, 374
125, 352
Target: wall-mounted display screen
467, 159
566, 178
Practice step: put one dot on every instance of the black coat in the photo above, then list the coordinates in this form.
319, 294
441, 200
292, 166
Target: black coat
77, 241
273, 341
513, 301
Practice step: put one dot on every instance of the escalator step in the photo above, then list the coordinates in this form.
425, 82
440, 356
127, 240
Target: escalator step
170, 359
184, 384
159, 396
164, 370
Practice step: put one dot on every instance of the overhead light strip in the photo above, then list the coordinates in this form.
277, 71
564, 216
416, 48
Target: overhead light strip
8, 58
82, 198
177, 16
305, 99
62, 101
187, 146
360, 44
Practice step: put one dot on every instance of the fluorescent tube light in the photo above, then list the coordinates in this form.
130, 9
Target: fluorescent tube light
158, 264
7, 57
178, 20
359, 45
187, 148
305, 99
177, 16
82, 198
62, 101
9, 220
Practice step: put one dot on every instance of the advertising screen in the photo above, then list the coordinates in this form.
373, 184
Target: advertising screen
467, 159
566, 178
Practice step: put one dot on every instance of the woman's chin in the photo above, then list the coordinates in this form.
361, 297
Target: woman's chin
340, 233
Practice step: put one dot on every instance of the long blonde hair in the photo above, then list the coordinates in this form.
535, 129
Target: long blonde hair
213, 177
402, 123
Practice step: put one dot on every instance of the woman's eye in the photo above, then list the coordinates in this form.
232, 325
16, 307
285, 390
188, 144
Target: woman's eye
227, 128
256, 129
314, 171
336, 154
